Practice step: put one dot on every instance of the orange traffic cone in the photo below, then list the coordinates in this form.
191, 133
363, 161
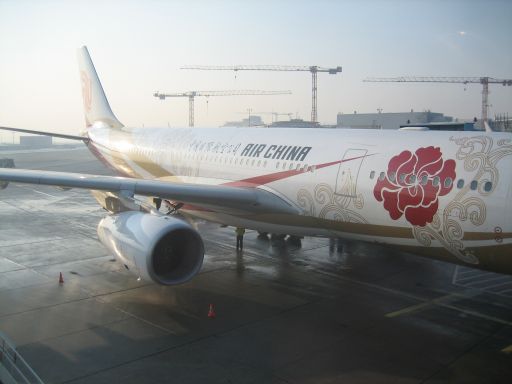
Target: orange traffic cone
61, 279
211, 312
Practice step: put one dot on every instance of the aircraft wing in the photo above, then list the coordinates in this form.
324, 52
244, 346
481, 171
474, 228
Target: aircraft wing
60, 135
217, 197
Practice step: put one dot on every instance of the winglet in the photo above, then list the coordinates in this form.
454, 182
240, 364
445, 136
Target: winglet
96, 105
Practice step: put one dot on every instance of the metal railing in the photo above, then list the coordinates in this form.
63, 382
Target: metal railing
15, 365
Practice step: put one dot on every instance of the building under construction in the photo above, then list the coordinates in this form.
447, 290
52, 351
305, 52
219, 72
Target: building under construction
389, 120
485, 81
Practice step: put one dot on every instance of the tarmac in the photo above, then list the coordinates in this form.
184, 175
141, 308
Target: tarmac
315, 313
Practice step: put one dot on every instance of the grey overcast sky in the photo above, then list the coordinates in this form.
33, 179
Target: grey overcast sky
139, 46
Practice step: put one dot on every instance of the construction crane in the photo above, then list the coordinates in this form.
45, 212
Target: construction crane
192, 94
485, 81
313, 69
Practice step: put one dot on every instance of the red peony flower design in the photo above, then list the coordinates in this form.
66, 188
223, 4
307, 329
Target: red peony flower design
413, 184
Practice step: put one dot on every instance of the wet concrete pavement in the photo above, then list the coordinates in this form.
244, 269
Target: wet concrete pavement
285, 314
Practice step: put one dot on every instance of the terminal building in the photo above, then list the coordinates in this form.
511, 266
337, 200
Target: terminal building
251, 121
434, 121
294, 123
389, 120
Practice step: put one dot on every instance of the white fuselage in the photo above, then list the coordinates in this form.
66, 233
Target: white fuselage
442, 194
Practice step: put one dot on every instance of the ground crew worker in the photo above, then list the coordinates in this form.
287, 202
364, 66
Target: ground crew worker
239, 238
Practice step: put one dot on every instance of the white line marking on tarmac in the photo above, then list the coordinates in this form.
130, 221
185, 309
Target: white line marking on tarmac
422, 300
35, 190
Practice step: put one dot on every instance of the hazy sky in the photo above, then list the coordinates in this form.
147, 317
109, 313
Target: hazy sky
139, 46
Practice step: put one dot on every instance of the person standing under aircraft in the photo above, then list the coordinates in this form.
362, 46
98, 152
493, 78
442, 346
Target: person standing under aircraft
239, 238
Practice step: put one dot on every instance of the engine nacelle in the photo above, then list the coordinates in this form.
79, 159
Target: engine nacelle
163, 249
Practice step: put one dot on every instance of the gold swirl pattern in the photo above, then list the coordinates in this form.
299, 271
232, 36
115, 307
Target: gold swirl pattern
326, 204
480, 155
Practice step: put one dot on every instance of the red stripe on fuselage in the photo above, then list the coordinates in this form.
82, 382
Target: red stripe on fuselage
254, 182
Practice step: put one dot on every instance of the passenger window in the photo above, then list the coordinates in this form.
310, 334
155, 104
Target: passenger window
391, 176
402, 177
372, 174
284, 165
259, 162
473, 185
424, 180
460, 184
265, 163
412, 179
487, 186
382, 176
435, 181
277, 164
253, 163
448, 182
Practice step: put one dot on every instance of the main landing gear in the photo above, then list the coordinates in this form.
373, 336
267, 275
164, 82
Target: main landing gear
279, 240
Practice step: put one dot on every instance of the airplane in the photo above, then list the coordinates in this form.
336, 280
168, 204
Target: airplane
443, 195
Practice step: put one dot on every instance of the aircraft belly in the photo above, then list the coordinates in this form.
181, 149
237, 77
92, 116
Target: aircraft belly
258, 223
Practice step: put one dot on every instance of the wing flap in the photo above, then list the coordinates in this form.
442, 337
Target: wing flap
224, 198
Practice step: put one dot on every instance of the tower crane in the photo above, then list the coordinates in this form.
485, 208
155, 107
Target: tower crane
192, 94
485, 81
313, 69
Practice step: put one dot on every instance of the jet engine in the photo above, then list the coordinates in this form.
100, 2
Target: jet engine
162, 249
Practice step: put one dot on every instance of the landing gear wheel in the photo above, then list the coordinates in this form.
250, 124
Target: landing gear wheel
277, 239
295, 240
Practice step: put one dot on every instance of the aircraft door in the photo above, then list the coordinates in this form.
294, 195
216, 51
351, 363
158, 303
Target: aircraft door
348, 172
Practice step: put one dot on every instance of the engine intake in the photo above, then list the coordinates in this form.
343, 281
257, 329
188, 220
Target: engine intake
163, 249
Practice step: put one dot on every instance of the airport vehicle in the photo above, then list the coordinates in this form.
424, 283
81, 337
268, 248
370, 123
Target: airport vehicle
445, 195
